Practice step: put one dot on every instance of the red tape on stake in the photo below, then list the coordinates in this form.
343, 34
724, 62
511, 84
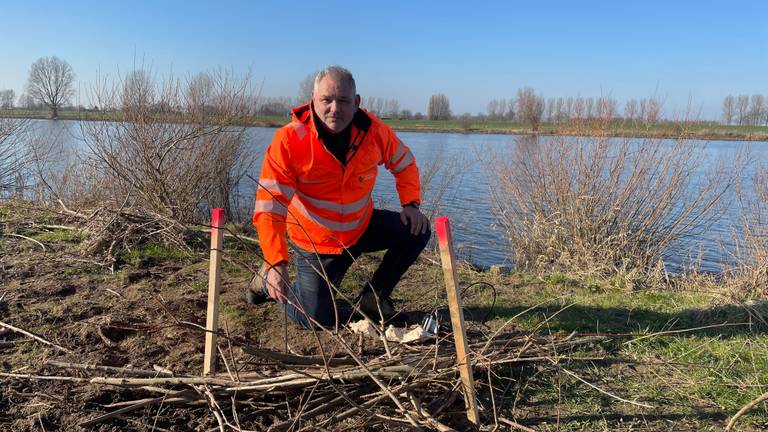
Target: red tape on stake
217, 218
443, 227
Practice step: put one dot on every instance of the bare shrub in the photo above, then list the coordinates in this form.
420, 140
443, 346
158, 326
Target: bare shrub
530, 107
178, 145
748, 275
603, 205
14, 154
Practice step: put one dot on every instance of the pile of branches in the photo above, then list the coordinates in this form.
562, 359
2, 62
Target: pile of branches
408, 387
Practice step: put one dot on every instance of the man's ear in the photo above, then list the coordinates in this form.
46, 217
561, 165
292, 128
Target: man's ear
357, 101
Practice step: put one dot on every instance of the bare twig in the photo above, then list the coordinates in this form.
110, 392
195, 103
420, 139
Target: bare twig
26, 238
745, 409
35, 337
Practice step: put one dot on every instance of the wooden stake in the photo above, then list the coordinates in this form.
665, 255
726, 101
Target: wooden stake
214, 280
443, 227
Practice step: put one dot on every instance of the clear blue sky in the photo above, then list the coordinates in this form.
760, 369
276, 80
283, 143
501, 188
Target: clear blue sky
473, 51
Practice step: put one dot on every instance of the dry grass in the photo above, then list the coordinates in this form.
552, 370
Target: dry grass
13, 161
600, 205
748, 276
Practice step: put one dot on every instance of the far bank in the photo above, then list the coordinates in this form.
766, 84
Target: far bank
614, 128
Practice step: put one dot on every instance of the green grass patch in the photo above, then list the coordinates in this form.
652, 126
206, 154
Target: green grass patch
685, 354
60, 236
154, 253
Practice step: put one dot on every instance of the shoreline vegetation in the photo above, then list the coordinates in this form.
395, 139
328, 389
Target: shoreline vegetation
703, 130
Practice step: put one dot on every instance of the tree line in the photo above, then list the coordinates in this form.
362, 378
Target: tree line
50, 85
745, 110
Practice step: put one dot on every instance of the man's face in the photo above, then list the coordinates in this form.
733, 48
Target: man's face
335, 104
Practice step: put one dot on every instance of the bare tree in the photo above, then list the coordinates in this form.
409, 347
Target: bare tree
25, 101
653, 110
50, 82
306, 86
606, 108
742, 110
510, 114
757, 109
439, 107
550, 109
392, 108
729, 106
579, 109
630, 110
530, 107
589, 106
493, 109
273, 106
7, 98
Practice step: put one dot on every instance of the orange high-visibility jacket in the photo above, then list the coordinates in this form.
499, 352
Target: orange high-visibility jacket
325, 205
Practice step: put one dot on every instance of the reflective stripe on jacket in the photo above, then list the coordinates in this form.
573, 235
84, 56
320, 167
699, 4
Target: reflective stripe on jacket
323, 205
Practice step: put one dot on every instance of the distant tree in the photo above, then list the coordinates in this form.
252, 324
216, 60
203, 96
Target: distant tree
630, 110
7, 97
742, 110
273, 106
392, 108
138, 92
199, 93
568, 108
606, 108
589, 106
306, 86
25, 101
510, 114
653, 110
757, 109
439, 107
578, 109
406, 114
493, 109
530, 107
418, 116
550, 109
729, 106
51, 82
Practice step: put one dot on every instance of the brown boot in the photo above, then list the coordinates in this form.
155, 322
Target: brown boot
376, 310
256, 292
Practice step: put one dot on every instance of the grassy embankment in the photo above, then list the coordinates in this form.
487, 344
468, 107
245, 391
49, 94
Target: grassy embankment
696, 358
698, 130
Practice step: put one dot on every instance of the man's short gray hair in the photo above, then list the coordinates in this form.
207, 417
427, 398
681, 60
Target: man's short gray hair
338, 73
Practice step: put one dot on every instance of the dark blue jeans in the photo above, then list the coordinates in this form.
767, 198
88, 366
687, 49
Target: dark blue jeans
311, 291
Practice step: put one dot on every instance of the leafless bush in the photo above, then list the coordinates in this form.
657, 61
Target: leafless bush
748, 276
439, 176
530, 107
602, 205
178, 145
60, 173
14, 154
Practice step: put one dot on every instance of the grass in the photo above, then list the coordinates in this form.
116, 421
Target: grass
60, 236
703, 130
695, 377
154, 253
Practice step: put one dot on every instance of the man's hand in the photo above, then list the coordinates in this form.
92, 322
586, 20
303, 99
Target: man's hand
278, 283
415, 218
